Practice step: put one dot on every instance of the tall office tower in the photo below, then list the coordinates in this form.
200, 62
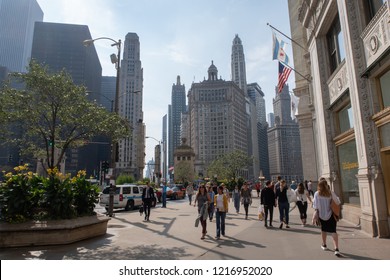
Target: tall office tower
59, 46
107, 92
271, 119
217, 119
284, 145
164, 147
17, 20
185, 126
131, 150
178, 106
238, 64
238, 71
257, 96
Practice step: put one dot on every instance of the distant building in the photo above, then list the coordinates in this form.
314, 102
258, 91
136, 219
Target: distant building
164, 147
284, 146
131, 151
257, 96
217, 118
184, 163
107, 92
178, 106
271, 119
59, 46
17, 19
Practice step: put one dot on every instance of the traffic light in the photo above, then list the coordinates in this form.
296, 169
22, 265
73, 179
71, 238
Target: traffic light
105, 166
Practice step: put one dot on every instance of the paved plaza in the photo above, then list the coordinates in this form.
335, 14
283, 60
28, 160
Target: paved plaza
171, 235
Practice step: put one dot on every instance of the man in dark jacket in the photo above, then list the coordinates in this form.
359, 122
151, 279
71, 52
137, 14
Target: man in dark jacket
267, 198
147, 198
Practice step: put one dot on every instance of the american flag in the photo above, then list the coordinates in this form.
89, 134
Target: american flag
284, 72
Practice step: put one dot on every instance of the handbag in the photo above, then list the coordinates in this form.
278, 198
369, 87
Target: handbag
291, 196
141, 210
336, 209
261, 213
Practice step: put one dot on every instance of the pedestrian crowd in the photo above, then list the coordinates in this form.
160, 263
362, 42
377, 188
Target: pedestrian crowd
212, 201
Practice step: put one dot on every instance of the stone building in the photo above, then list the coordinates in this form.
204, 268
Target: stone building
342, 47
217, 119
184, 163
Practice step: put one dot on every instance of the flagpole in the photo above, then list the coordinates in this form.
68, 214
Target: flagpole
277, 30
309, 80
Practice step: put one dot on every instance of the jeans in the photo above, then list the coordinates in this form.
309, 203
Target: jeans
190, 198
270, 209
164, 200
302, 206
147, 205
237, 203
220, 217
284, 207
211, 211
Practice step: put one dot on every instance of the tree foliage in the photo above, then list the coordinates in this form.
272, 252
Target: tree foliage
184, 172
228, 166
53, 115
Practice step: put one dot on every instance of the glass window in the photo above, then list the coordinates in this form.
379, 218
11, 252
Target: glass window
348, 170
135, 190
385, 135
345, 118
385, 89
126, 190
335, 45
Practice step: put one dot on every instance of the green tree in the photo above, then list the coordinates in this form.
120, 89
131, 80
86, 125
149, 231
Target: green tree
54, 114
184, 172
228, 166
123, 179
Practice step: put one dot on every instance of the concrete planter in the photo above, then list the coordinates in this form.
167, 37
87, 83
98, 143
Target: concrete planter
56, 232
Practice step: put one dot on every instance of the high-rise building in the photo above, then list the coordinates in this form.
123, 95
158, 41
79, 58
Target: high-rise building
59, 46
217, 117
178, 106
284, 146
17, 19
131, 150
107, 92
257, 96
271, 119
238, 64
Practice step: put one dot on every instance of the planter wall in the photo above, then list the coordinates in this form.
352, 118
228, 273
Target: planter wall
56, 232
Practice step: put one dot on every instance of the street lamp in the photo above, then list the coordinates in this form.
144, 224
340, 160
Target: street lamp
115, 60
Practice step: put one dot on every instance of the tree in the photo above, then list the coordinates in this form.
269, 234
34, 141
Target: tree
184, 172
228, 166
54, 115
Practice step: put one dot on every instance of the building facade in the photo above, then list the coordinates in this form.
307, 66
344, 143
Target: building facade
217, 119
346, 53
59, 46
131, 150
178, 106
284, 146
17, 19
238, 63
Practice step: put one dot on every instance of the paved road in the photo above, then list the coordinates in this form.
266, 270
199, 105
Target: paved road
171, 235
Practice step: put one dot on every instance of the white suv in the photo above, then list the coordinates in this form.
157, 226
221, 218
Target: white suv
126, 196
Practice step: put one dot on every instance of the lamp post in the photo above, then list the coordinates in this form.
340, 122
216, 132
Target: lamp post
157, 152
115, 60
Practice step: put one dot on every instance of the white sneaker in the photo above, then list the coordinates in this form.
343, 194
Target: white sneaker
337, 253
323, 247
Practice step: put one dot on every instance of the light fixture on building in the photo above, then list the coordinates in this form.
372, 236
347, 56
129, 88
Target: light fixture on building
373, 171
333, 176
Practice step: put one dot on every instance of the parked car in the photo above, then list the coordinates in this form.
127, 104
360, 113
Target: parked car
176, 192
126, 196
158, 193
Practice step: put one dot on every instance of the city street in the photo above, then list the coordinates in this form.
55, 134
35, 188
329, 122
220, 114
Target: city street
171, 235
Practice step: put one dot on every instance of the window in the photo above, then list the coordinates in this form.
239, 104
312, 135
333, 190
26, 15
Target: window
349, 166
385, 89
345, 118
335, 45
135, 190
371, 7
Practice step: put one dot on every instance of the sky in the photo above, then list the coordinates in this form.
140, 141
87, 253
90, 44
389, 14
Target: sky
181, 37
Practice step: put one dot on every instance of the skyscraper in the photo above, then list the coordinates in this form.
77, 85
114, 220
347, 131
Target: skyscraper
178, 106
217, 119
59, 46
17, 19
257, 96
238, 64
131, 150
284, 144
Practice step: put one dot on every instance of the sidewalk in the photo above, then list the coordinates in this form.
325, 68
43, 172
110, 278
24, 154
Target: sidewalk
171, 235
